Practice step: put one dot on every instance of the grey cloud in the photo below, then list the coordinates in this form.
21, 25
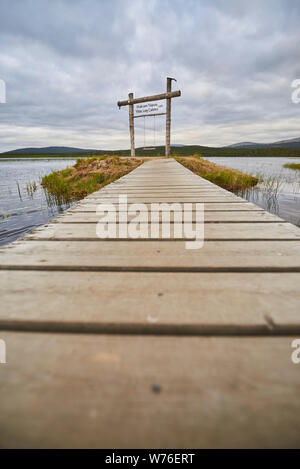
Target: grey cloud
66, 63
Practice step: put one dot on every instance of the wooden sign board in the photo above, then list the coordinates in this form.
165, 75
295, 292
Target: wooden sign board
149, 108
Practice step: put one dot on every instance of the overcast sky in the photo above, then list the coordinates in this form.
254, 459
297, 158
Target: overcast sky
67, 62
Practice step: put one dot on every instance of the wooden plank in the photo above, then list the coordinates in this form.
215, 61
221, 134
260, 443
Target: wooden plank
159, 199
154, 182
155, 178
209, 217
158, 303
89, 391
162, 173
139, 192
168, 179
159, 187
149, 194
163, 195
152, 255
228, 206
212, 231
149, 191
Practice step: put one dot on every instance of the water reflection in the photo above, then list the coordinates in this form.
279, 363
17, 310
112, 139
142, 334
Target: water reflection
58, 201
24, 204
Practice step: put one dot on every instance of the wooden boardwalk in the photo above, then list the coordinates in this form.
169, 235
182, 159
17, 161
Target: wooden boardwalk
143, 343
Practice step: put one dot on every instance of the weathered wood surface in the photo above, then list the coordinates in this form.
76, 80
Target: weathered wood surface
91, 391
168, 117
154, 97
131, 125
143, 300
174, 303
229, 256
209, 217
213, 231
211, 207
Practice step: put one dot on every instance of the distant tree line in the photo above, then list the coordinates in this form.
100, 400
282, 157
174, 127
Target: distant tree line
190, 150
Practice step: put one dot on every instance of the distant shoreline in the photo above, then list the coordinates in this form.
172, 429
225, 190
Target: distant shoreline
39, 157
175, 155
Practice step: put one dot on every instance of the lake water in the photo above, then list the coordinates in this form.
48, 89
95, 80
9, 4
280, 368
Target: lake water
23, 208
279, 193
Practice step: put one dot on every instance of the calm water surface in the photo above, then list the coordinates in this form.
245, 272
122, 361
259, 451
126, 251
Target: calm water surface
279, 192
22, 207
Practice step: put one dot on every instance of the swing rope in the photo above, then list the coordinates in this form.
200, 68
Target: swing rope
154, 131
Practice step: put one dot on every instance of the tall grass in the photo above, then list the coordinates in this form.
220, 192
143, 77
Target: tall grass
31, 188
267, 192
225, 177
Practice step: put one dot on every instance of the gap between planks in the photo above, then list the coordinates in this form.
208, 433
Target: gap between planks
193, 330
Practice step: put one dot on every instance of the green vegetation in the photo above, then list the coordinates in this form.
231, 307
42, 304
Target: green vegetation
86, 176
295, 166
228, 178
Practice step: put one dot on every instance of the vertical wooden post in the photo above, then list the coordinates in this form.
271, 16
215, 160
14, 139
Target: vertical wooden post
131, 125
168, 117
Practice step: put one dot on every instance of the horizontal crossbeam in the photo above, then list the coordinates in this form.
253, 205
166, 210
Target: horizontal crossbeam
155, 97
150, 115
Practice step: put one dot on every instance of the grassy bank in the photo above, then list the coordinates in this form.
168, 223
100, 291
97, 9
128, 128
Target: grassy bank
295, 166
86, 176
228, 178
89, 175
